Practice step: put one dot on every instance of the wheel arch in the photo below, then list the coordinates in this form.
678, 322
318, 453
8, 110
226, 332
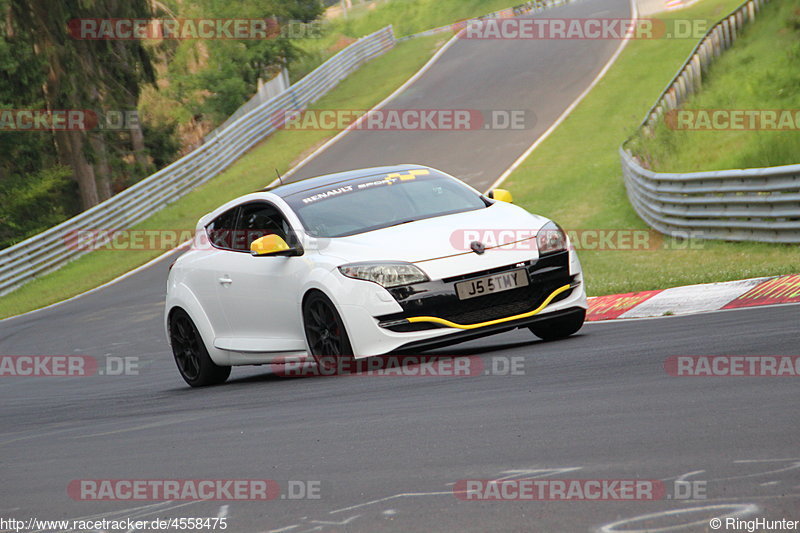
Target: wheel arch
182, 298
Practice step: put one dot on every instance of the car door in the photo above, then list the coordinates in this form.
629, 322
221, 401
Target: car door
202, 267
260, 295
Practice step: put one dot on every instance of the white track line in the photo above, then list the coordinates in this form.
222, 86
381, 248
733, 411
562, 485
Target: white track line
737, 511
573, 105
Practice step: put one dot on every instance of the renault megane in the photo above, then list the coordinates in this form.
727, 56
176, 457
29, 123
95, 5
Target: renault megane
364, 263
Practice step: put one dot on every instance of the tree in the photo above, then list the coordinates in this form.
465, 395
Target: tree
85, 74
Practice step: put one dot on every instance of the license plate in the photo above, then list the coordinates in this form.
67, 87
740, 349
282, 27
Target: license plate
491, 284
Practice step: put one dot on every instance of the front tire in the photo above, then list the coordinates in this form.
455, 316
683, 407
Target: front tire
326, 335
558, 328
194, 364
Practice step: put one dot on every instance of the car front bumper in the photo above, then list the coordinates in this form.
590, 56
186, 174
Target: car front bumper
455, 320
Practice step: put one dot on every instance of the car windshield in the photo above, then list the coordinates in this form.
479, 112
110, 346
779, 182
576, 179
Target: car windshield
377, 202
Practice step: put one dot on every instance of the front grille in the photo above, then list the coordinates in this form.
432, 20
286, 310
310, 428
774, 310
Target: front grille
502, 304
486, 308
438, 298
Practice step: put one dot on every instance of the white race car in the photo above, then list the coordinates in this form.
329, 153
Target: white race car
363, 263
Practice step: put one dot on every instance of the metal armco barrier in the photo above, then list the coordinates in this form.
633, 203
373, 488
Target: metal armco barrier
761, 204
56, 246
758, 204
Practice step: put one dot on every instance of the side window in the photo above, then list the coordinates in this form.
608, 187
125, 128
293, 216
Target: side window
220, 230
256, 220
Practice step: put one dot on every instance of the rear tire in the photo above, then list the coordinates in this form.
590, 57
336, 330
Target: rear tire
558, 328
194, 364
326, 335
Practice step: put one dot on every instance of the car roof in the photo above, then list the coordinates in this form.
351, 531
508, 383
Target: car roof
327, 180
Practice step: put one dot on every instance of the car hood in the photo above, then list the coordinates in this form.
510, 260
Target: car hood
441, 245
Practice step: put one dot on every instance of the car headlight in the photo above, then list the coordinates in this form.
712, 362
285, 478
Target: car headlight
384, 274
551, 238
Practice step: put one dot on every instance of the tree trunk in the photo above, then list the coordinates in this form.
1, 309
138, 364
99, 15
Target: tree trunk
70, 153
137, 142
102, 170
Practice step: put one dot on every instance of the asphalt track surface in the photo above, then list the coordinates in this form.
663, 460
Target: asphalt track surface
538, 77
386, 451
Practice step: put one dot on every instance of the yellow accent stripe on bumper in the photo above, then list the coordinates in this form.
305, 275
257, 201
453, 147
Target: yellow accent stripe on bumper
447, 323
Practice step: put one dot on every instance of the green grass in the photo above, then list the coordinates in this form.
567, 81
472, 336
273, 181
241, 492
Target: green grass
254, 170
761, 71
406, 16
574, 177
412, 16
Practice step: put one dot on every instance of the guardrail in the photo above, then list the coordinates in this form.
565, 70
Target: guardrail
689, 78
758, 204
57, 246
266, 92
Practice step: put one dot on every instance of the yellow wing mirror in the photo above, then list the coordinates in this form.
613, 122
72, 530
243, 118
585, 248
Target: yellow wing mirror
271, 245
502, 195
